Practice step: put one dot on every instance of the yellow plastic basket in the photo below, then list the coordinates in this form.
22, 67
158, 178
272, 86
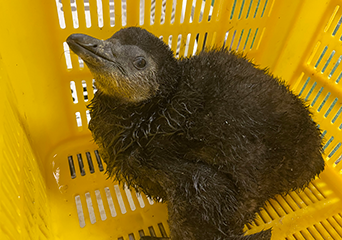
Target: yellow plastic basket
52, 183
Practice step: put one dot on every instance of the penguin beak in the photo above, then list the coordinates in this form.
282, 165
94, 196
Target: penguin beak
93, 51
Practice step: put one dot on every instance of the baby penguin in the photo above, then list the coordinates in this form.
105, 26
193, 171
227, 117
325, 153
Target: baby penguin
211, 135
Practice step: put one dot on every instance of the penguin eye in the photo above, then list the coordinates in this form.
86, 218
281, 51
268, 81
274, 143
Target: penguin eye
139, 63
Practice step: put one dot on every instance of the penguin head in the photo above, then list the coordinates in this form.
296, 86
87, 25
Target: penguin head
133, 65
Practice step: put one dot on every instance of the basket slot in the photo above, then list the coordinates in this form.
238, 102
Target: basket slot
99, 161
80, 163
111, 12
131, 236
80, 213
67, 56
152, 232
74, 14
60, 13
90, 162
162, 230
87, 13
85, 91
130, 198
120, 199
100, 205
110, 202
72, 167
196, 13
90, 207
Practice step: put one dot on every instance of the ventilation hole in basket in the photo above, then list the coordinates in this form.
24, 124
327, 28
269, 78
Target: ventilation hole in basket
193, 7
334, 150
110, 201
233, 9
74, 13
225, 39
337, 27
328, 142
323, 102
260, 38
131, 236
331, 107
310, 91
173, 13
124, 12
98, 159
80, 213
336, 65
162, 230
80, 164
152, 232
90, 208
140, 200
179, 42
321, 56
255, 34
100, 205
244, 46
78, 120
163, 9
130, 198
87, 13
331, 19
120, 238
238, 45
195, 45
112, 13
80, 63
60, 13
241, 8
338, 160
67, 55
73, 92
317, 96
323, 134
249, 8
202, 12
120, 200
187, 44
99, 13
141, 12
170, 41
183, 10
304, 86
71, 167
150, 201
88, 116
257, 8
90, 162
85, 92
338, 78
337, 115
94, 87
153, 12
328, 61
263, 10
141, 233
232, 42
204, 41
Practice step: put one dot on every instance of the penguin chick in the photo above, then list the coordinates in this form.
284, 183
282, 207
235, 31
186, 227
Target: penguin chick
212, 135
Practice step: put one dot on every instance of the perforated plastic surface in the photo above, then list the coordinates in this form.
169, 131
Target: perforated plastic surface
52, 182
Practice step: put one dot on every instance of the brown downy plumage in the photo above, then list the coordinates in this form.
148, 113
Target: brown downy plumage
211, 135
